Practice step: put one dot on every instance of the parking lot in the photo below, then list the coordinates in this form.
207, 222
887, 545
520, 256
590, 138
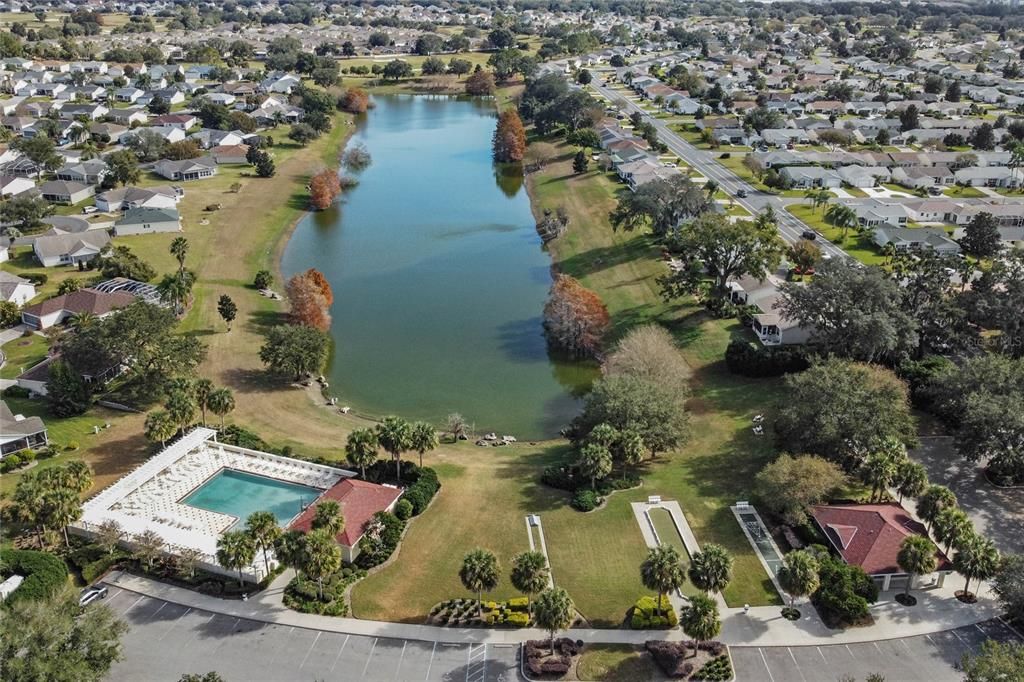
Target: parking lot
167, 640
926, 658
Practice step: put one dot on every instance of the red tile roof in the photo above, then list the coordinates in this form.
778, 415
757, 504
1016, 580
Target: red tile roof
870, 535
359, 502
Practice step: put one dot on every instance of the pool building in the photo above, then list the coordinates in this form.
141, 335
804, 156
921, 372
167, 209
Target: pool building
196, 489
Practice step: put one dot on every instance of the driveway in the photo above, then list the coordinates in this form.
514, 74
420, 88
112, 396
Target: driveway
996, 512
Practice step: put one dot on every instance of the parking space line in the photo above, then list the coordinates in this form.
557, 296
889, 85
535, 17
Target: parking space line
310, 649
850, 650
338, 655
765, 661
176, 621
196, 633
431, 661
962, 641
133, 605
159, 610
369, 657
796, 664
401, 657
822, 654
1010, 628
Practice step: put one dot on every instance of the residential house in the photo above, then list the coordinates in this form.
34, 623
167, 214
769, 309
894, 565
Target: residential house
69, 249
14, 289
18, 432
129, 115
147, 221
916, 239
56, 310
870, 536
989, 176
359, 501
183, 120
124, 198
89, 172
65, 191
863, 176
188, 169
230, 153
129, 94
12, 185
770, 326
806, 177
922, 177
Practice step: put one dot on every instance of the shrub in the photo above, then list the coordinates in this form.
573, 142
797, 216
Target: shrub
845, 593
420, 493
44, 573
28, 456
47, 452
645, 614
10, 463
518, 603
382, 535
72, 445
585, 500
403, 509
93, 571
16, 392
561, 477
519, 620
243, 438
671, 657
746, 359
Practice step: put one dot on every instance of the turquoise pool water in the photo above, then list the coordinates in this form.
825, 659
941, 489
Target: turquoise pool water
239, 494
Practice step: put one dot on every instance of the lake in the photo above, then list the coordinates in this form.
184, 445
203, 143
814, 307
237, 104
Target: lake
439, 278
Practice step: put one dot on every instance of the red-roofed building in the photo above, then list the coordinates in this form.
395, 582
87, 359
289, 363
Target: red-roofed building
870, 535
359, 501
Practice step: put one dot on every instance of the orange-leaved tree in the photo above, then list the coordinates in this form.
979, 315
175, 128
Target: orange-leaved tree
310, 297
324, 188
354, 101
575, 318
509, 138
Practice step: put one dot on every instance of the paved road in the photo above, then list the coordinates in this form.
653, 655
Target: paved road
166, 640
704, 163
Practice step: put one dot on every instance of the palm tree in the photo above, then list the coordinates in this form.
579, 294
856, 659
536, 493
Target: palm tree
62, 507
179, 249
842, 217
700, 620
235, 551
181, 407
322, 557
530, 574
220, 402
977, 559
952, 526
554, 611
877, 470
201, 389
148, 546
290, 549
933, 500
395, 435
262, 527
159, 427
594, 461
799, 575
711, 568
76, 475
26, 504
176, 289
423, 438
916, 557
911, 478
83, 320
662, 571
630, 448
327, 516
479, 573
361, 449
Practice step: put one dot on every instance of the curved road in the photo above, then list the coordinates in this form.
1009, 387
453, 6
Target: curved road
704, 163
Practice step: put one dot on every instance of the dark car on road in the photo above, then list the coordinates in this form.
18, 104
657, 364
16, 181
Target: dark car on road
809, 235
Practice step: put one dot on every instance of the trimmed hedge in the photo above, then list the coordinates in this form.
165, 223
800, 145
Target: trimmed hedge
384, 531
645, 614
585, 500
44, 573
746, 359
540, 663
672, 657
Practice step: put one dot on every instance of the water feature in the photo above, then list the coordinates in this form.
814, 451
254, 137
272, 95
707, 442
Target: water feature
439, 277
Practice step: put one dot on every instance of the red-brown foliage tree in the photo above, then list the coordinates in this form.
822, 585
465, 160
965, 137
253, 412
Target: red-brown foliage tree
310, 297
480, 83
324, 188
509, 138
354, 101
575, 318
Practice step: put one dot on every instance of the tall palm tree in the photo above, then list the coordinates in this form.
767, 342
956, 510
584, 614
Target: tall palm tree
221, 402
594, 461
799, 575
201, 389
423, 438
181, 407
978, 559
630, 448
179, 249
83, 320
711, 568
662, 571
911, 478
176, 289
62, 507
554, 611
159, 427
395, 435
361, 449
934, 500
327, 516
700, 619
877, 471
479, 573
235, 551
322, 557
530, 574
27, 504
916, 557
290, 549
75, 475
262, 527
952, 526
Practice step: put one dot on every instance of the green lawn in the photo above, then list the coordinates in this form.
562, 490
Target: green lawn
964, 192
22, 353
856, 244
661, 519
617, 663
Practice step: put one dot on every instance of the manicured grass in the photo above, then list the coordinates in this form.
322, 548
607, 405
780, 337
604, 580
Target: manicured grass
858, 245
22, 353
617, 663
964, 192
661, 519
855, 192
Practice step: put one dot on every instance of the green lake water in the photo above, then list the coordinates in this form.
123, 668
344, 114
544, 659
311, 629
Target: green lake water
439, 278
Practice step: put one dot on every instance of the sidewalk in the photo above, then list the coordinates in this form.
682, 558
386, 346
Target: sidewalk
936, 611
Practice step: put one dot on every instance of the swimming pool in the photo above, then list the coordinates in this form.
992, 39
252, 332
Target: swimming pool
239, 494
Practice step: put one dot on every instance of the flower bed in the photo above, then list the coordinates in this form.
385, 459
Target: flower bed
302, 594
691, 660
540, 663
462, 612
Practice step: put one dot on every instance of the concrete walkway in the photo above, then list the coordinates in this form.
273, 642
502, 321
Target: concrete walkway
936, 611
